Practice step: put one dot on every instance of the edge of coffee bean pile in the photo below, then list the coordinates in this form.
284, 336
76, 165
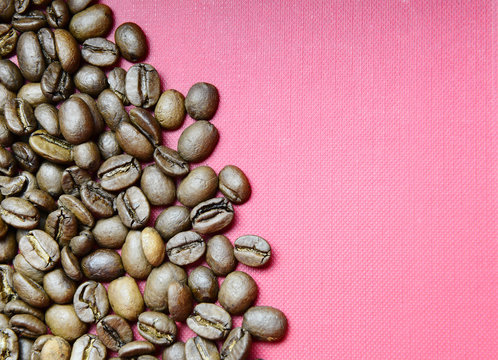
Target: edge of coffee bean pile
81, 166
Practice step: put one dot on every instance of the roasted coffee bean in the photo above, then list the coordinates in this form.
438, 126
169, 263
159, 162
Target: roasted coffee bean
131, 41
125, 298
70, 264
31, 92
23, 267
143, 86
133, 142
29, 21
9, 345
88, 347
173, 220
136, 348
7, 162
76, 207
237, 292
102, 265
152, 246
10, 186
17, 306
99, 51
25, 156
8, 245
48, 118
30, 291
76, 121
21, 5
38, 345
78, 5
134, 261
63, 321
73, 178
10, 75
133, 208
146, 124
98, 120
237, 345
108, 145
119, 172
198, 141
234, 184
211, 216
170, 109
7, 292
56, 84
39, 249
94, 21
6, 137
87, 156
158, 282
175, 351
30, 182
210, 321
20, 117
110, 233
252, 250
68, 50
55, 348
59, 287
159, 188
112, 109
58, 14
202, 101
180, 301
170, 162
198, 348
62, 225
220, 255
157, 328
90, 302
41, 199
7, 9
49, 178
185, 248
97, 200
117, 83
8, 39
25, 346
46, 38
27, 325
203, 284
51, 148
19, 213
265, 323
114, 332
200, 184
82, 243
91, 80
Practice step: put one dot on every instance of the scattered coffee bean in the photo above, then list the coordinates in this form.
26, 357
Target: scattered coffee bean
19, 213
152, 246
158, 282
237, 292
97, 200
173, 220
9, 344
252, 250
234, 184
125, 298
203, 284
220, 255
110, 233
8, 246
73, 178
136, 348
90, 301
197, 348
51, 148
170, 109
202, 101
114, 332
27, 325
131, 42
8, 39
62, 225
112, 109
198, 141
185, 248
59, 287
211, 215
88, 347
58, 15
10, 75
175, 351
68, 51
265, 323
119, 172
25, 156
25, 346
200, 185
108, 145
210, 321
48, 118
91, 80
19, 117
7, 292
180, 301
94, 21
157, 328
102, 265
75, 6
170, 162
157, 186
55, 347
134, 261
133, 208
30, 291
39, 249
99, 51
143, 86
237, 345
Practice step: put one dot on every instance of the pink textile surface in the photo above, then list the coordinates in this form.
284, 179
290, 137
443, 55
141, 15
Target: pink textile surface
368, 130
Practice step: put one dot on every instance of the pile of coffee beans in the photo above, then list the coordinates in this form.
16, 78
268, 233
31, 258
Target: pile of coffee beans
81, 166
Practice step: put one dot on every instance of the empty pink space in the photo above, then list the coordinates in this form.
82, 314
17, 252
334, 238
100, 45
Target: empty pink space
368, 130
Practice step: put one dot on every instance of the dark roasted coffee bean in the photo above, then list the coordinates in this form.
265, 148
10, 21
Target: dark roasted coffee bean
146, 124
237, 345
30, 182
117, 83
170, 109
46, 38
157, 328
198, 348
59, 287
27, 325
87, 156
180, 301
20, 117
82, 243
70, 264
10, 186
95, 21
237, 292
203, 284
25, 156
198, 141
200, 184
175, 351
170, 162
17, 306
51, 148
62, 225
78, 5
173, 220
73, 178
7, 9
39, 249
133, 208
49, 177
210, 321
152, 246
131, 41
252, 250
30, 21
125, 298
99, 51
25, 346
63, 321
134, 261
114, 332
31, 92
158, 282
234, 184
90, 302
265, 323
56, 84
76, 121
55, 348
220, 255
185, 248
88, 347
10, 75
91, 80
143, 86
41, 199
7, 162
30, 291
102, 265
202, 101
76, 207
8, 245
212, 215
159, 188
110, 233
68, 50
19, 213
108, 145
8, 39
119, 172
6, 137
98, 120
21, 5
48, 118
58, 14
112, 109
7, 292
9, 345
97, 200
23, 267
133, 142
136, 348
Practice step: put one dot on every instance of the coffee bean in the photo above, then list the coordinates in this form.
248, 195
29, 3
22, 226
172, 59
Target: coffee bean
9, 345
62, 225
237, 292
73, 178
27, 325
152, 246
252, 250
133, 208
134, 261
10, 75
90, 301
76, 121
68, 50
30, 182
99, 51
119, 172
158, 282
19, 213
88, 347
30, 291
63, 321
157, 187
7, 292
7, 162
91, 80
97, 200
143, 86
78, 5
175, 351
108, 145
10, 186
29, 21
117, 83
25, 156
87, 156
21, 5
70, 264
58, 15
23, 267
110, 233
114, 332
198, 141
8, 246
38, 345
41, 199
131, 42
55, 348
8, 39
237, 345
48, 118
31, 92
200, 184
20, 117
75, 206
39, 249
157, 328
146, 124
220, 255
210, 321
125, 298
6, 137
46, 38
265, 323
136, 348
203, 284
102, 265
56, 84
59, 287
170, 109
94, 21
17, 306
202, 101
170, 162
198, 348
173, 220
25, 346
180, 301
51, 148
82, 243
234, 184
112, 109
49, 177
211, 215
133, 142
185, 248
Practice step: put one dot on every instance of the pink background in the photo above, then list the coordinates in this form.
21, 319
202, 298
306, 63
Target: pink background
368, 131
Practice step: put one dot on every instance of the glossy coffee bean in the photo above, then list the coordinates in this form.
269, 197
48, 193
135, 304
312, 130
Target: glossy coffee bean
265, 323
90, 301
203, 284
9, 344
133, 208
98, 120
55, 348
175, 351
180, 301
133, 142
108, 145
102, 265
41, 199
31, 92
237, 292
237, 345
114, 332
117, 83
99, 51
134, 261
63, 321
73, 178
76, 121
146, 124
7, 290
8, 247
47, 116
23, 267
173, 220
110, 233
56, 84
51, 148
119, 172
143, 86
157, 328
152, 246
91, 80
76, 6
202, 101
68, 51
62, 225
82, 243
185, 248
158, 282
112, 109
39, 249
234, 184
30, 291
197, 348
159, 188
88, 347
8, 39
10, 75
17, 306
6, 137
70, 264
26, 158
87, 156
76, 207
94, 21
136, 348
97, 200
27, 325
198, 141
29, 21
200, 184
19, 213
170, 110
7, 162
59, 287
46, 38
20, 117
131, 41
210, 321
10, 186
220, 255
211, 215
125, 298
58, 14
170, 162
252, 250
49, 177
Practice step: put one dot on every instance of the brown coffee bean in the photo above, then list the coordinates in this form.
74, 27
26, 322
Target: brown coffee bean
108, 145
173, 220
170, 162
6, 137
20, 117
10, 186
21, 5
185, 248
210, 321
59, 287
134, 261
82, 243
7, 291
39, 249
175, 351
237, 345
198, 348
136, 348
17, 306
38, 345
75, 6
114, 332
170, 109
10, 75
143, 85
25, 346
41, 199
133, 208
76, 121
7, 162
91, 302
73, 178
102, 265
23, 267
27, 325
133, 142
265, 323
8, 245
131, 41
62, 225
56, 84
125, 298
26, 158
98, 120
58, 15
203, 284
88, 347
87, 156
92, 22
198, 141
51, 148
119, 172
49, 177
146, 124
91, 80
8, 39
112, 109
117, 83
31, 92
46, 38
252, 250
110, 233
200, 184
99, 51
30, 291
157, 328
68, 51
9, 344
234, 184
202, 101
70, 264
29, 21
97, 200
48, 118
158, 282
159, 188
75, 206
55, 348
180, 301
237, 292
220, 255
152, 246
211, 215
19, 213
